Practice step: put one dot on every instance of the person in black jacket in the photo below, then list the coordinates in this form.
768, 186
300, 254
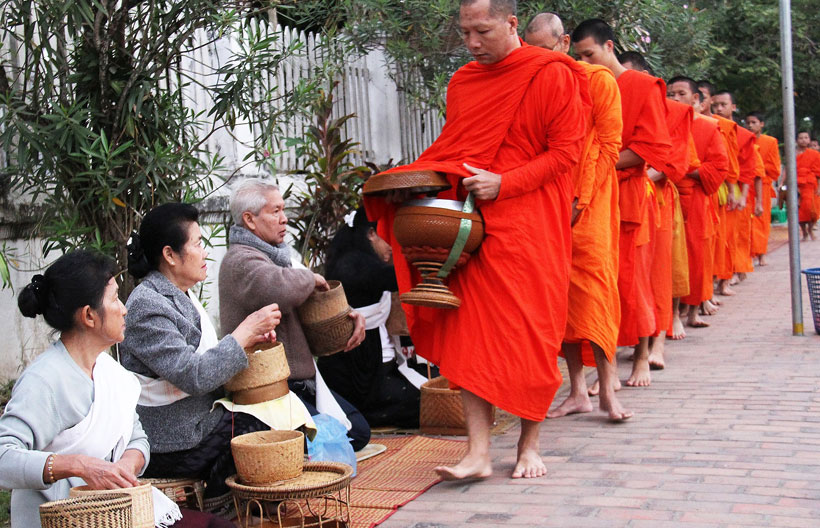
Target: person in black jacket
373, 376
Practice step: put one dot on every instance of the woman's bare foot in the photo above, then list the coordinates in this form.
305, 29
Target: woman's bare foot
574, 404
529, 464
470, 467
640, 374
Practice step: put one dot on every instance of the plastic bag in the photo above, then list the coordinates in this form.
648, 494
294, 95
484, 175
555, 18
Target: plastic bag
331, 442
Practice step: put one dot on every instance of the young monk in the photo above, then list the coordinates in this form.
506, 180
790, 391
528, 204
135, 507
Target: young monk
725, 200
516, 122
770, 153
645, 144
666, 270
594, 308
808, 177
739, 220
696, 191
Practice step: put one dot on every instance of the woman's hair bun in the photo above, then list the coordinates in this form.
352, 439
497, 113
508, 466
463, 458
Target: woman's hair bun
138, 265
33, 300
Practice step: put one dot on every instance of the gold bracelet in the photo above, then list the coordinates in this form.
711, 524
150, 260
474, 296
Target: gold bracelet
50, 468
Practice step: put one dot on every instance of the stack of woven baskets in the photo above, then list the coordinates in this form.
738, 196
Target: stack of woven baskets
325, 318
266, 377
267, 457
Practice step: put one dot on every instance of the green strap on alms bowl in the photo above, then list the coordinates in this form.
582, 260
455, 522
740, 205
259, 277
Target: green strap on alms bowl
464, 229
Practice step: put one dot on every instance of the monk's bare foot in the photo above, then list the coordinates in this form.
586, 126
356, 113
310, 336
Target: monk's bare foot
724, 289
741, 276
812, 235
761, 260
707, 308
696, 321
715, 302
595, 389
640, 374
470, 467
656, 360
612, 406
574, 404
529, 465
734, 280
678, 331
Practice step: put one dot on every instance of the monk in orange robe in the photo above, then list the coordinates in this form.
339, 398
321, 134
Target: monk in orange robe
646, 143
770, 153
726, 199
664, 267
594, 308
696, 191
808, 177
516, 122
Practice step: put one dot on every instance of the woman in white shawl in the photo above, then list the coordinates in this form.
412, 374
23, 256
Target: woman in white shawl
72, 415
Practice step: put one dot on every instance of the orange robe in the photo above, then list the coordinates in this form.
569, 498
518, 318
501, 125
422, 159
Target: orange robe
761, 225
723, 260
679, 125
523, 117
643, 99
740, 239
680, 255
594, 308
698, 208
808, 170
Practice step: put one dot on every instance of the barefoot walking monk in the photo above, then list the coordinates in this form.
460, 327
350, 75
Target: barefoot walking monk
762, 225
516, 122
645, 143
594, 308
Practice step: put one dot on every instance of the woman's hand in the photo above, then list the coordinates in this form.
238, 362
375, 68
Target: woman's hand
358, 331
97, 473
258, 326
320, 283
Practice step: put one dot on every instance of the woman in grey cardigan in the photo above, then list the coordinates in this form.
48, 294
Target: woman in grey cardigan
50, 440
172, 347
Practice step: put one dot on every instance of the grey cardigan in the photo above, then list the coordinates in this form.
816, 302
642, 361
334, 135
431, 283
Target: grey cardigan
249, 280
162, 333
53, 394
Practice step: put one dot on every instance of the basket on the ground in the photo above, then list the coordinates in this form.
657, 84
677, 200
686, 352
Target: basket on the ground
188, 492
326, 321
813, 281
266, 377
142, 503
265, 457
442, 412
109, 511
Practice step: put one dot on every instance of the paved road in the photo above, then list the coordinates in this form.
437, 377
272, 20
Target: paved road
728, 435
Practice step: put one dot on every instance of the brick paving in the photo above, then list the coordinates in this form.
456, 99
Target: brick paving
728, 435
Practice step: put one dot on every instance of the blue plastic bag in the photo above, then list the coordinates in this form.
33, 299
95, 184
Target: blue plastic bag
331, 442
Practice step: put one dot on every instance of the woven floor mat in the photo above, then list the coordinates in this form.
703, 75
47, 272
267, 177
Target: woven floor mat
399, 475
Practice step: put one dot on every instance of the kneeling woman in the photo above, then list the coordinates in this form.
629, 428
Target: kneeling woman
172, 346
72, 416
373, 376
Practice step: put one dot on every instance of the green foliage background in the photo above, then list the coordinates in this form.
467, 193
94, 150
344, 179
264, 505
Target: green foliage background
733, 43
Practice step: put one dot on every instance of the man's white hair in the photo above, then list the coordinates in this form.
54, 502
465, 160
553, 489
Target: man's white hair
250, 195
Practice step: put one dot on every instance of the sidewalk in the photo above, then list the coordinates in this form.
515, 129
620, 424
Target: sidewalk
727, 435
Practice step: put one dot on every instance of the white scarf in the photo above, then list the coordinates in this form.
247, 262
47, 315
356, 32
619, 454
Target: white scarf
157, 392
106, 430
375, 317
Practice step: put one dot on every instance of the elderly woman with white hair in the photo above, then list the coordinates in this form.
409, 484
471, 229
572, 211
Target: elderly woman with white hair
257, 270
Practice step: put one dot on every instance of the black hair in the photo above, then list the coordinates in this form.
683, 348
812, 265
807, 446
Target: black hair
596, 28
635, 58
693, 86
726, 92
164, 225
709, 87
75, 280
350, 239
757, 114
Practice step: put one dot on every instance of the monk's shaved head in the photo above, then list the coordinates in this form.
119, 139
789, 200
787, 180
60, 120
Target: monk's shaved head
498, 8
546, 22
634, 61
706, 85
594, 28
693, 86
726, 93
